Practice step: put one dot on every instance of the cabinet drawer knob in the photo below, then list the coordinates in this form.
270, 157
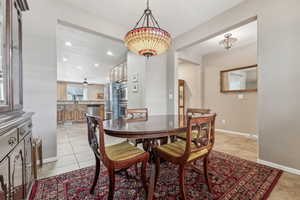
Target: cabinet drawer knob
12, 141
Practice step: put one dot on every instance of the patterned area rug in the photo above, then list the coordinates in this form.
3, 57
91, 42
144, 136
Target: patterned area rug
232, 178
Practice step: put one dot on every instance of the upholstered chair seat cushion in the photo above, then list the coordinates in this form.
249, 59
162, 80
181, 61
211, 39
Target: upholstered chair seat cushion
122, 151
176, 149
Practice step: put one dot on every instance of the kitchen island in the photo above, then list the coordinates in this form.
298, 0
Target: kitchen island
74, 111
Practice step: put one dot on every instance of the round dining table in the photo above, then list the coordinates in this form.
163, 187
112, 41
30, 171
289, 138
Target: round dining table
150, 130
153, 127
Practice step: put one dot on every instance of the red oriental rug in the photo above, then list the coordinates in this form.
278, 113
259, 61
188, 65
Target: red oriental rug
232, 178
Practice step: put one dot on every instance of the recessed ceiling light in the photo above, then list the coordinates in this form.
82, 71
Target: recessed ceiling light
65, 59
68, 44
79, 67
96, 65
109, 53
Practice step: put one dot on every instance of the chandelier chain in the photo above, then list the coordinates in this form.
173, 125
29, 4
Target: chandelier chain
148, 19
156, 23
140, 20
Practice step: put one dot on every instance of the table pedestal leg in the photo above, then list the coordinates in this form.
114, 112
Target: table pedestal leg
149, 145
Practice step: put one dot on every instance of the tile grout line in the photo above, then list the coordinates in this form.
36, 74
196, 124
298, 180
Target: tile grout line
77, 162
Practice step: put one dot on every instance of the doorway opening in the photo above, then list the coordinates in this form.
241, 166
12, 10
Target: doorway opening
220, 74
87, 65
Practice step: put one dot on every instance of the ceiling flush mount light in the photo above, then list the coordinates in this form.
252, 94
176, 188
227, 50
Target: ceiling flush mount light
65, 59
109, 53
147, 38
79, 67
68, 44
96, 65
85, 82
228, 41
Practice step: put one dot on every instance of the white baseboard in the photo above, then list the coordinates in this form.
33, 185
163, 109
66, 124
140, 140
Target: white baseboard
277, 166
248, 135
51, 159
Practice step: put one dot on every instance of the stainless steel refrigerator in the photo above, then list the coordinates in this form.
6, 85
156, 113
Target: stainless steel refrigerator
116, 100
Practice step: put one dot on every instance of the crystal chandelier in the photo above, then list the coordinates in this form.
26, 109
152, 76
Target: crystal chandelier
228, 41
147, 38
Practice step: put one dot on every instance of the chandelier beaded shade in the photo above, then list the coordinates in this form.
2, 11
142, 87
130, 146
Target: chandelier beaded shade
147, 38
228, 41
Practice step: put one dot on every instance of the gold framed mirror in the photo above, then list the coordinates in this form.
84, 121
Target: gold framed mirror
242, 79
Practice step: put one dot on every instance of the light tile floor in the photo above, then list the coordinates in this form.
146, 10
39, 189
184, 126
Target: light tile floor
74, 153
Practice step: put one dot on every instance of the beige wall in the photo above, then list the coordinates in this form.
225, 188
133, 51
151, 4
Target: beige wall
239, 114
40, 61
278, 56
191, 73
93, 90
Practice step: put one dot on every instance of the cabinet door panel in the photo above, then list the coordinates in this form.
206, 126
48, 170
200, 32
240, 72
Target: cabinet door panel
16, 55
4, 177
17, 173
4, 96
28, 161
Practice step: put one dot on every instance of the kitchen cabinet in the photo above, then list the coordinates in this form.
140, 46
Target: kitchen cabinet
119, 73
75, 112
61, 90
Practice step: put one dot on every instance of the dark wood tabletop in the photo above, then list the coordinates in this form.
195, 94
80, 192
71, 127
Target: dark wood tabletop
154, 127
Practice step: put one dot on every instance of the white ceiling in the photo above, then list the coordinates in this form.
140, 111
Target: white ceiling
87, 50
246, 34
176, 16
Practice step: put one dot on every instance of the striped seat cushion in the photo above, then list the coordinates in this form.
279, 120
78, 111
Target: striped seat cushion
176, 149
122, 151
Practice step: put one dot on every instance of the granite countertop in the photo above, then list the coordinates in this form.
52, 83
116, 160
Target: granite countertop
83, 102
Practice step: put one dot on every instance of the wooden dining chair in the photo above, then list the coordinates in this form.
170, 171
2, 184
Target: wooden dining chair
141, 114
136, 115
184, 153
194, 112
115, 157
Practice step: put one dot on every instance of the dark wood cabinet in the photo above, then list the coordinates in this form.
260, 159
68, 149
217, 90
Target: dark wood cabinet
4, 179
15, 125
28, 162
17, 179
16, 53
15, 161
